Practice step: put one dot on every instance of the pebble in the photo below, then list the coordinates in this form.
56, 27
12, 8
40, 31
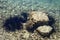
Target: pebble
25, 34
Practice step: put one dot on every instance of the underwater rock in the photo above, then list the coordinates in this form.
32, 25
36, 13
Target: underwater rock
36, 19
39, 16
45, 30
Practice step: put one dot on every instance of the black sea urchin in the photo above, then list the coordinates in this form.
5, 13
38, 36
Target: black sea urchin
13, 23
51, 21
24, 16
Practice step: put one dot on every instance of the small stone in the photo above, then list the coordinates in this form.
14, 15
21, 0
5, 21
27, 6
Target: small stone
25, 34
39, 16
44, 30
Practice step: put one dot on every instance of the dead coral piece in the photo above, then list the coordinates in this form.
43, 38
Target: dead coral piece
39, 16
45, 30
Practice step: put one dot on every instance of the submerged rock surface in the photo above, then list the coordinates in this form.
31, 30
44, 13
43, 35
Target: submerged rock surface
45, 30
39, 16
